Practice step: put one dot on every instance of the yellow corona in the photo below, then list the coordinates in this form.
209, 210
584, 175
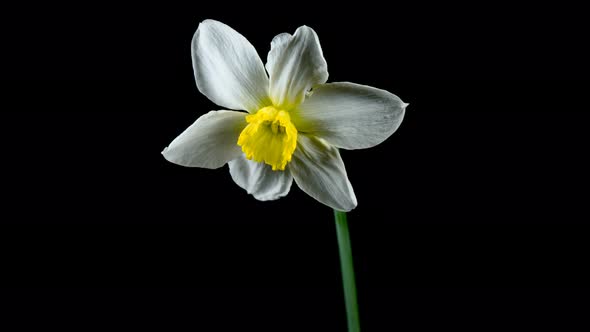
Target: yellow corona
269, 137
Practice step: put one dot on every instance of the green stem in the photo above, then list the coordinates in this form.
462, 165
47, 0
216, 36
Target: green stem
352, 309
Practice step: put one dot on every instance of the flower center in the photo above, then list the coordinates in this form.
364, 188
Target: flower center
269, 137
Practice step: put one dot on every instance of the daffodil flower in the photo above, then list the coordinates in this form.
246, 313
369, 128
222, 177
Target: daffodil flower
295, 121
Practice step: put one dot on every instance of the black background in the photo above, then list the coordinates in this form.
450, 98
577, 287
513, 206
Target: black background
472, 216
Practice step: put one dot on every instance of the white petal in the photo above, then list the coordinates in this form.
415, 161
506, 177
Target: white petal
227, 68
277, 41
295, 64
210, 142
350, 116
319, 171
259, 179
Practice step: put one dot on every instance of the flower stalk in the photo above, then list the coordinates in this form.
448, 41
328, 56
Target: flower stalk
347, 268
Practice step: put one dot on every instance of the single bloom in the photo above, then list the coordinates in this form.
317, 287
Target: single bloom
294, 122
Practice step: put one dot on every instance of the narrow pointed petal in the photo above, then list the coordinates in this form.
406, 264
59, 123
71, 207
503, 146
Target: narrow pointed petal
210, 142
350, 116
227, 68
259, 180
295, 64
319, 171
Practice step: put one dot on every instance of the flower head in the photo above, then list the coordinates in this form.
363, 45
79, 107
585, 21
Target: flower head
289, 131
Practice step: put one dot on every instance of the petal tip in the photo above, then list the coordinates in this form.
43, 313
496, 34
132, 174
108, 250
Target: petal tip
209, 21
354, 203
170, 158
348, 208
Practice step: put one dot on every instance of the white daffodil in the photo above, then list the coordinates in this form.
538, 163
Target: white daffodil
290, 131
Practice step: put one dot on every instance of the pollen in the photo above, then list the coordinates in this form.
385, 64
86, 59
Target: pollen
269, 137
